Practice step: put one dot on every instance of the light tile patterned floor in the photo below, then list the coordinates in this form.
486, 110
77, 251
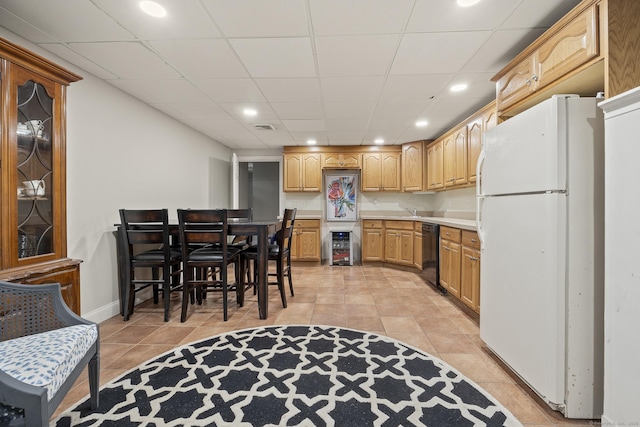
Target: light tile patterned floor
370, 298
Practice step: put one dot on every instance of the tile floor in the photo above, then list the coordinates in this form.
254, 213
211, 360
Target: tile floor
377, 299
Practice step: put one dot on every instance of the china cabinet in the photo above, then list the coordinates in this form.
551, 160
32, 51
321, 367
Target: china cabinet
32, 172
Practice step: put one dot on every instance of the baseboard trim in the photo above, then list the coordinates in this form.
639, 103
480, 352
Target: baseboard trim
103, 313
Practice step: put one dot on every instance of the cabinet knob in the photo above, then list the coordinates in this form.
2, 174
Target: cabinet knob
473, 240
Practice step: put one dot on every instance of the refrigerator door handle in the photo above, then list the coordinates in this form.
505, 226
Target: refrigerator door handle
479, 198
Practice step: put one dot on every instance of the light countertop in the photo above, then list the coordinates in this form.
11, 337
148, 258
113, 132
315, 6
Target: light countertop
464, 224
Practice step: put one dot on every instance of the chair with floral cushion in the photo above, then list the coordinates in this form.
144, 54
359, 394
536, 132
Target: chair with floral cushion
44, 348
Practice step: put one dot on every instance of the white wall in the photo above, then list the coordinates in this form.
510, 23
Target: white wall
122, 153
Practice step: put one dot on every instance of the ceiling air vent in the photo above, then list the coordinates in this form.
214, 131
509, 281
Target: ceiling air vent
264, 127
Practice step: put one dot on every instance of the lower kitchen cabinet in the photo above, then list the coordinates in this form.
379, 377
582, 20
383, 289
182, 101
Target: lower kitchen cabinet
450, 259
398, 239
417, 245
372, 240
470, 270
305, 244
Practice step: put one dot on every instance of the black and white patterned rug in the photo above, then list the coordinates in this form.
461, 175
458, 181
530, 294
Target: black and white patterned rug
292, 376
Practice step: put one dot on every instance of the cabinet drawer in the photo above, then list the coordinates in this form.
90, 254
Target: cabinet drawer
452, 234
417, 226
399, 225
371, 223
307, 223
470, 239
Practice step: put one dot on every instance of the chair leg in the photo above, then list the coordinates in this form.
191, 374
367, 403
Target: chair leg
155, 276
223, 276
289, 275
240, 265
280, 276
94, 381
166, 293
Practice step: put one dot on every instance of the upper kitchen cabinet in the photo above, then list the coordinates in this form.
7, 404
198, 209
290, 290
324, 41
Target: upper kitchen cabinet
593, 48
435, 165
477, 125
345, 160
33, 230
381, 169
413, 166
567, 48
302, 172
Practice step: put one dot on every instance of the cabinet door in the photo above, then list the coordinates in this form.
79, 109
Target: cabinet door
445, 263
311, 173
412, 167
371, 172
292, 172
435, 170
309, 246
341, 160
32, 174
572, 46
69, 279
391, 171
474, 145
470, 278
417, 250
455, 258
517, 84
391, 242
460, 166
405, 254
449, 160
372, 244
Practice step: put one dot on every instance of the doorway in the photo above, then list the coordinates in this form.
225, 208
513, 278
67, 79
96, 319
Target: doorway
259, 189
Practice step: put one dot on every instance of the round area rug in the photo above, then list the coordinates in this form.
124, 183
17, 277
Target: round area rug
293, 376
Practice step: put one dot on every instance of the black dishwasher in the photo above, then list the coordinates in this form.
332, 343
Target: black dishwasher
431, 255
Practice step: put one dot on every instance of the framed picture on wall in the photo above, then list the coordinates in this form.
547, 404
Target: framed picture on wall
341, 196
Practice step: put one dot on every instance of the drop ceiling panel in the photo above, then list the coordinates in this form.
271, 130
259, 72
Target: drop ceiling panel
353, 124
500, 49
351, 55
69, 20
276, 57
193, 111
349, 89
437, 52
359, 16
74, 58
439, 15
302, 137
479, 85
349, 110
127, 60
17, 25
264, 111
259, 18
290, 90
162, 91
230, 90
538, 13
213, 59
298, 110
423, 87
186, 19
304, 125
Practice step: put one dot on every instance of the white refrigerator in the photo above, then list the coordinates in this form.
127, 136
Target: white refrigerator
540, 219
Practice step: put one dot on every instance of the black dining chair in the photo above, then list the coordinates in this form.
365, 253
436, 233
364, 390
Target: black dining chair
206, 268
280, 252
147, 245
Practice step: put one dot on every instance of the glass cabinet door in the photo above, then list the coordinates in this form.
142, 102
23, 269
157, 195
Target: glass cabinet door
35, 170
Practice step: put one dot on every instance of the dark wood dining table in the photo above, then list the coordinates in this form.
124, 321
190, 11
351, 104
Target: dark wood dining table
260, 229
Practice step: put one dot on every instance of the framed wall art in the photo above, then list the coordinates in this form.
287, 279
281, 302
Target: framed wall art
341, 196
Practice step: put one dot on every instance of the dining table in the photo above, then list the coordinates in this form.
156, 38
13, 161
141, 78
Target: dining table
235, 226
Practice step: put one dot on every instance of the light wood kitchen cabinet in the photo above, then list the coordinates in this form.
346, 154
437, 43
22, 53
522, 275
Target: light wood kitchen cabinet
33, 229
435, 165
381, 171
470, 270
412, 166
460, 160
372, 240
448, 160
302, 172
450, 260
474, 146
398, 242
305, 245
341, 160
417, 245
567, 47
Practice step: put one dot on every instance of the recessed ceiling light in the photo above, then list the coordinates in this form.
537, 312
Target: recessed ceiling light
379, 141
459, 87
467, 3
152, 8
249, 112
311, 142
421, 123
